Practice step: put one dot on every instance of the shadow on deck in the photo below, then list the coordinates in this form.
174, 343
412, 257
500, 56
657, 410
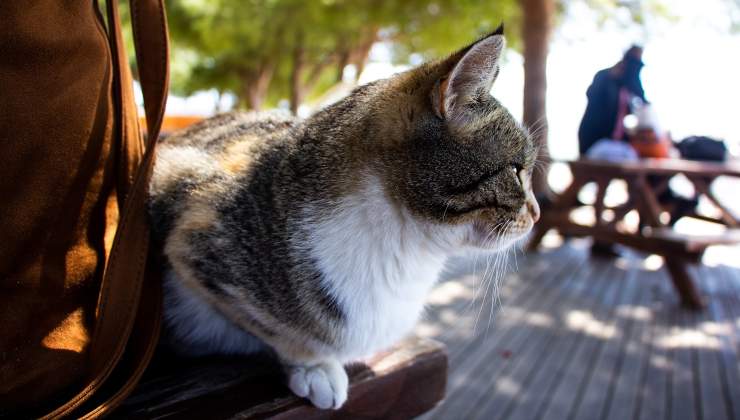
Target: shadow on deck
575, 337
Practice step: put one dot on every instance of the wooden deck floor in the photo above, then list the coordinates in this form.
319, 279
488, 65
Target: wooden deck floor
580, 338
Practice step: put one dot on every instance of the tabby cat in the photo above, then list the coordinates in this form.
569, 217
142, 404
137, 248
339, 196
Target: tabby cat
319, 239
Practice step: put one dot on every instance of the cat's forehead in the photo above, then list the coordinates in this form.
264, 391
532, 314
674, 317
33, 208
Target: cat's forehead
494, 127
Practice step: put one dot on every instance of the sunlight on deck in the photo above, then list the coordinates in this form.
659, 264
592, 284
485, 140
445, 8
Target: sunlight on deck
583, 338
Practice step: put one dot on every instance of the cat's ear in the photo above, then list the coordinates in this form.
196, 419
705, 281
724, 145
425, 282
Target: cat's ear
473, 74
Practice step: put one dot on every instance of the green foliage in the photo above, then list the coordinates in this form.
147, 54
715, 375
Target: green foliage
438, 28
255, 46
229, 44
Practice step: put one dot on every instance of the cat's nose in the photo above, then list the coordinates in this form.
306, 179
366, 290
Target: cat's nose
534, 209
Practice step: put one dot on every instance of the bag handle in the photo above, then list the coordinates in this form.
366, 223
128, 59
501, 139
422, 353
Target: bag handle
123, 279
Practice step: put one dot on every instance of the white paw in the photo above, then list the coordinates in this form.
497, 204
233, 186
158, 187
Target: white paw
324, 384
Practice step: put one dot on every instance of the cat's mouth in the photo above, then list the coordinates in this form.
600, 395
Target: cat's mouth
498, 236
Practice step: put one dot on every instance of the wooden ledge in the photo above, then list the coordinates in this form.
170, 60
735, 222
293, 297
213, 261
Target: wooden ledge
404, 382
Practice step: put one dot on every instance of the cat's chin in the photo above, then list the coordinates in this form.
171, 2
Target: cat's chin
486, 237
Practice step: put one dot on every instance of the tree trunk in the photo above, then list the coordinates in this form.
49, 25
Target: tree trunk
297, 90
342, 62
536, 29
256, 86
360, 54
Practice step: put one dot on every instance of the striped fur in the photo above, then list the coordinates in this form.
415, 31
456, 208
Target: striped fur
319, 239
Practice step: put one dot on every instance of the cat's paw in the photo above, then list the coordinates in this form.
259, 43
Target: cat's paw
324, 384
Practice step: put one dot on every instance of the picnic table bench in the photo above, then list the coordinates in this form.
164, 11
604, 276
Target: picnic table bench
401, 383
645, 180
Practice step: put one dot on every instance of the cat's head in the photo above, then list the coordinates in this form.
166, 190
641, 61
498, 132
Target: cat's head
452, 154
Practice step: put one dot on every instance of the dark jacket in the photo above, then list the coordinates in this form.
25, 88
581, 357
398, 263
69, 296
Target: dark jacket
601, 112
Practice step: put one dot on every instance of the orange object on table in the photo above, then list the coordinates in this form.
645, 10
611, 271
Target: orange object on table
649, 144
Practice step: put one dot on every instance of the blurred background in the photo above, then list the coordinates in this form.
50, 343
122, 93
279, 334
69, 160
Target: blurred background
302, 55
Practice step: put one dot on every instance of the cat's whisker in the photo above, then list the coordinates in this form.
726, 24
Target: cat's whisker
493, 280
535, 129
506, 259
501, 270
444, 213
516, 262
475, 270
497, 274
485, 280
480, 283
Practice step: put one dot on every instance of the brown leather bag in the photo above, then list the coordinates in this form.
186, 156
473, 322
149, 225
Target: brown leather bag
79, 311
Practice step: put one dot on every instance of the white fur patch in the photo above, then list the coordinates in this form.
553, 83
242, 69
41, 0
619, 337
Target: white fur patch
198, 328
379, 263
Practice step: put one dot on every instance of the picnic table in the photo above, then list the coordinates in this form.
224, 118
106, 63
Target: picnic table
646, 179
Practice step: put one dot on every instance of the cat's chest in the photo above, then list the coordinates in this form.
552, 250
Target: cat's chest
377, 263
378, 316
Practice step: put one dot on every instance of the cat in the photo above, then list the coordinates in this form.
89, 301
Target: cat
318, 240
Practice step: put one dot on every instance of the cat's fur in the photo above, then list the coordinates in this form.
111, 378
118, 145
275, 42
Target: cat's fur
319, 239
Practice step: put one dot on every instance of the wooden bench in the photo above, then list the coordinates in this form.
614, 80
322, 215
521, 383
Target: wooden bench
401, 383
645, 180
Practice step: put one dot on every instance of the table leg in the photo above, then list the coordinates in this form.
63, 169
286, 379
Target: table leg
559, 209
684, 284
645, 200
703, 187
599, 205
538, 233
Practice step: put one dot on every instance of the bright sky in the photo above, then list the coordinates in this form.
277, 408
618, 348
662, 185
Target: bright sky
692, 72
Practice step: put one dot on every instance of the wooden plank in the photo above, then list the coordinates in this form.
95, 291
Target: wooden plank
533, 290
729, 354
684, 404
554, 364
502, 384
600, 383
528, 364
730, 282
651, 244
711, 398
467, 353
479, 313
653, 396
563, 399
472, 353
453, 322
401, 383
468, 349
657, 167
635, 355
555, 359
695, 243
487, 358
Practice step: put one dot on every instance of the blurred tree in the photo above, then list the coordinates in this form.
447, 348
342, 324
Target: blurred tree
264, 50
536, 29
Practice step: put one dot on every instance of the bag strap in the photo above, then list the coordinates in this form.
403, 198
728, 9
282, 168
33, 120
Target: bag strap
124, 276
